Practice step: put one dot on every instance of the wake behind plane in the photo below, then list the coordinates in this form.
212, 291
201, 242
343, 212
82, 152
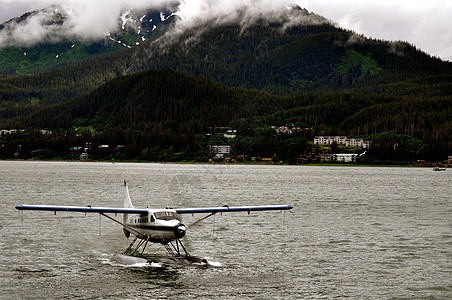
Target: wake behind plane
160, 226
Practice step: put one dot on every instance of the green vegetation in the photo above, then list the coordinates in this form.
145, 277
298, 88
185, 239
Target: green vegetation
171, 116
44, 56
358, 63
49, 55
321, 79
393, 148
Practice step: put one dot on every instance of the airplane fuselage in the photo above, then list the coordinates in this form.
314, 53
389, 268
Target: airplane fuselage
158, 226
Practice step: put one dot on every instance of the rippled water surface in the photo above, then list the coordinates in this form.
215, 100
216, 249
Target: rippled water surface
357, 233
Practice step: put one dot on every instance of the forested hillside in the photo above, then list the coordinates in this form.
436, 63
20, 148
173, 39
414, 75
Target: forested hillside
166, 99
166, 115
298, 60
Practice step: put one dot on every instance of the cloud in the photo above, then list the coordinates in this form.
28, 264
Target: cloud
244, 12
423, 23
13, 8
92, 19
84, 20
39, 27
203, 14
89, 20
192, 11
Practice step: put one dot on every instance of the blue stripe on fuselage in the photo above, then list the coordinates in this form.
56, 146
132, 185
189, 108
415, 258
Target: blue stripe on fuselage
152, 227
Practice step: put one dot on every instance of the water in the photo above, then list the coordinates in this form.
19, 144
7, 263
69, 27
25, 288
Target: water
357, 233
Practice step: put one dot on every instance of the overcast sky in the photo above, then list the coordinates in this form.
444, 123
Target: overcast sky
424, 23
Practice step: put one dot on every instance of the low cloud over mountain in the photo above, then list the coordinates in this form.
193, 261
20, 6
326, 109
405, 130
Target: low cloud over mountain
82, 20
86, 20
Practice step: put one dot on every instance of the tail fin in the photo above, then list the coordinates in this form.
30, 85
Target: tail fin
127, 201
127, 204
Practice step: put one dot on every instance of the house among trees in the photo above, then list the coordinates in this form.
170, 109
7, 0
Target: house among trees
342, 140
345, 157
10, 131
220, 149
231, 134
287, 130
75, 150
314, 156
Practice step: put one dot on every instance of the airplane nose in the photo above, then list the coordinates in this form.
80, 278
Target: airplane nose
180, 230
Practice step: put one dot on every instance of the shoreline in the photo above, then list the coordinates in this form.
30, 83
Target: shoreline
248, 163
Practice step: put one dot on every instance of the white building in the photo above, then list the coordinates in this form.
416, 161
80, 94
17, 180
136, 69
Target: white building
342, 140
287, 130
10, 131
345, 157
355, 142
231, 134
326, 139
326, 157
220, 149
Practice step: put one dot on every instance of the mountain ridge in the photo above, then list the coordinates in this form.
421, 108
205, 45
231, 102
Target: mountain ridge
54, 46
321, 77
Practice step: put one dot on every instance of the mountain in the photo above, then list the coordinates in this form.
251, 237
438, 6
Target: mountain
41, 40
169, 94
264, 56
284, 56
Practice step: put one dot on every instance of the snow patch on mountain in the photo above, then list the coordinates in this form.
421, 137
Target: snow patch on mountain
91, 22
125, 19
86, 23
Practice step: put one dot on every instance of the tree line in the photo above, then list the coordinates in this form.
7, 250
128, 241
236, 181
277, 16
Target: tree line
168, 115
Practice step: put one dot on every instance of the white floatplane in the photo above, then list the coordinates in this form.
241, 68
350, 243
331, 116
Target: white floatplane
161, 226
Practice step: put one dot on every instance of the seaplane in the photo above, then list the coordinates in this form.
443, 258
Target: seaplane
158, 226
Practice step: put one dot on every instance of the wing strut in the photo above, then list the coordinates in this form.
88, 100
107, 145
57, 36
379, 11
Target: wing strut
196, 222
126, 226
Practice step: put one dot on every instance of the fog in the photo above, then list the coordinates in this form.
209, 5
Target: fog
423, 23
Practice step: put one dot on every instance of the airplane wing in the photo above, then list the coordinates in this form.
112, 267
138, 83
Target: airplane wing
116, 210
84, 209
226, 208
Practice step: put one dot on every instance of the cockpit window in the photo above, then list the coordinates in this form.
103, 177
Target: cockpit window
165, 215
